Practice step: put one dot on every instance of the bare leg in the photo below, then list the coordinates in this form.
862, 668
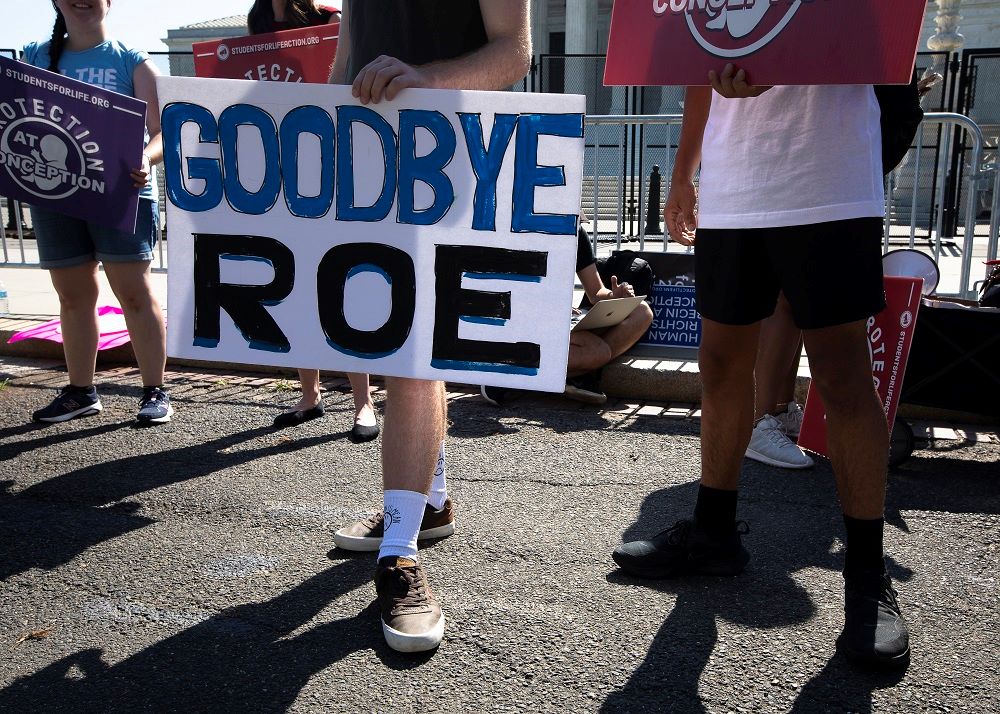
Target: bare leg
587, 352
309, 384
130, 283
414, 427
78, 290
726, 360
364, 407
626, 333
857, 432
780, 345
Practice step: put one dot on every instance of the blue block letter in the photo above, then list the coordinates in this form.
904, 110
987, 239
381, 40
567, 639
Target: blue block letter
175, 116
428, 169
486, 163
315, 121
528, 175
346, 210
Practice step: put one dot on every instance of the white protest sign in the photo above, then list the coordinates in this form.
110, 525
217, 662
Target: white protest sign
431, 237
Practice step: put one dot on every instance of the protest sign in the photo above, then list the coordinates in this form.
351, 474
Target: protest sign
890, 334
677, 42
68, 146
676, 322
431, 237
302, 55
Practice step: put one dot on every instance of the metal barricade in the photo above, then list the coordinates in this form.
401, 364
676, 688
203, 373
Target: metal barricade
626, 138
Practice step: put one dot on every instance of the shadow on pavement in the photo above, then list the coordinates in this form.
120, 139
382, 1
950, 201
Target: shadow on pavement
560, 415
51, 436
48, 524
795, 521
241, 659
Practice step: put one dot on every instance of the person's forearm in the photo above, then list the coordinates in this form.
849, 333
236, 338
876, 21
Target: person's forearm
495, 66
338, 72
697, 102
154, 149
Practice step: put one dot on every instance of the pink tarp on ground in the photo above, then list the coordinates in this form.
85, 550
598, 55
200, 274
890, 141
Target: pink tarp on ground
110, 324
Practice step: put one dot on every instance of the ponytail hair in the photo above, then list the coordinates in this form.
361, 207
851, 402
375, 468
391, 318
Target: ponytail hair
58, 41
298, 13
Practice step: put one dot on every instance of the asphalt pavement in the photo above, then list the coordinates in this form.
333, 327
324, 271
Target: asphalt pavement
190, 567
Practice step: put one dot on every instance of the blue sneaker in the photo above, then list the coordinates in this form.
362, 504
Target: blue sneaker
72, 402
154, 407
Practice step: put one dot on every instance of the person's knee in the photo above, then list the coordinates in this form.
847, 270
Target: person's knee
720, 367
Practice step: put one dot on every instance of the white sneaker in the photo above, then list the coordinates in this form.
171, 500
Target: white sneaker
791, 420
769, 445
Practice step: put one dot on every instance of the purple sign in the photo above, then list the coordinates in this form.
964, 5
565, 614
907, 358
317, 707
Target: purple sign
69, 146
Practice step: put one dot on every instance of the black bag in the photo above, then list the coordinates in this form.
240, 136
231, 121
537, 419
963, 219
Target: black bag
629, 268
901, 117
989, 295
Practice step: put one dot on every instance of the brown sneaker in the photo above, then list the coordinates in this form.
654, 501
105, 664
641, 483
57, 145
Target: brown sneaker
412, 620
366, 534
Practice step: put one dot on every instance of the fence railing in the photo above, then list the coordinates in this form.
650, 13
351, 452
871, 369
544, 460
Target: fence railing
610, 187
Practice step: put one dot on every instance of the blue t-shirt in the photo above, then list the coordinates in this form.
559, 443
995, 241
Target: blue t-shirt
110, 65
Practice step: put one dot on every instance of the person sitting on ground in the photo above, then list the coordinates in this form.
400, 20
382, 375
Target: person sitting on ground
590, 350
275, 16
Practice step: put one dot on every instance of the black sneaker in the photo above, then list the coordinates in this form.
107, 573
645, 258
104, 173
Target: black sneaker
586, 388
154, 407
71, 403
875, 634
684, 549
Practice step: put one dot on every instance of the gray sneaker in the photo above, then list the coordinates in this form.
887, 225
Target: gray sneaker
366, 535
769, 445
791, 419
412, 620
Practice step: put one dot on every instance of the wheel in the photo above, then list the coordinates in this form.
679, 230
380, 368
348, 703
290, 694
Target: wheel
901, 442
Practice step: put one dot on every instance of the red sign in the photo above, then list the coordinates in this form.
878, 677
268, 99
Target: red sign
889, 336
303, 55
676, 42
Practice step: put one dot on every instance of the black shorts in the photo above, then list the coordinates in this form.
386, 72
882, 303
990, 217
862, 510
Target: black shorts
831, 273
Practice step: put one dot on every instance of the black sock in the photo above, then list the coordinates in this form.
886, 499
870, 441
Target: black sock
81, 389
864, 545
715, 510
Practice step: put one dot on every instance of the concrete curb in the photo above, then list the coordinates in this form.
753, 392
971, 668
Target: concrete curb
643, 374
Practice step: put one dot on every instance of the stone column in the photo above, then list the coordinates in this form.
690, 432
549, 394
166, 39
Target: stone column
581, 39
947, 37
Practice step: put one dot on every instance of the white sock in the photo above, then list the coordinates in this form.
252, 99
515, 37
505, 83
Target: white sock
439, 488
404, 510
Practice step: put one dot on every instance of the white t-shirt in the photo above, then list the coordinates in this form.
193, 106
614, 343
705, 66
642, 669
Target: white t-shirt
792, 156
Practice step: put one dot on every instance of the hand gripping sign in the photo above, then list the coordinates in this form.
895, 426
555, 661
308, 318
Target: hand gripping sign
431, 237
677, 42
302, 55
68, 146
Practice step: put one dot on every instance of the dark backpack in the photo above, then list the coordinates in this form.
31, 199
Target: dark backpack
901, 117
629, 268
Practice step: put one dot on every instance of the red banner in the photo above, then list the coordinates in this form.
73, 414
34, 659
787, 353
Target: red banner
303, 55
676, 42
890, 334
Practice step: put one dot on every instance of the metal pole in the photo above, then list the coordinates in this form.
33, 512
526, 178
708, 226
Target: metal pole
991, 250
597, 180
20, 229
642, 187
887, 221
621, 192
3, 241
916, 184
